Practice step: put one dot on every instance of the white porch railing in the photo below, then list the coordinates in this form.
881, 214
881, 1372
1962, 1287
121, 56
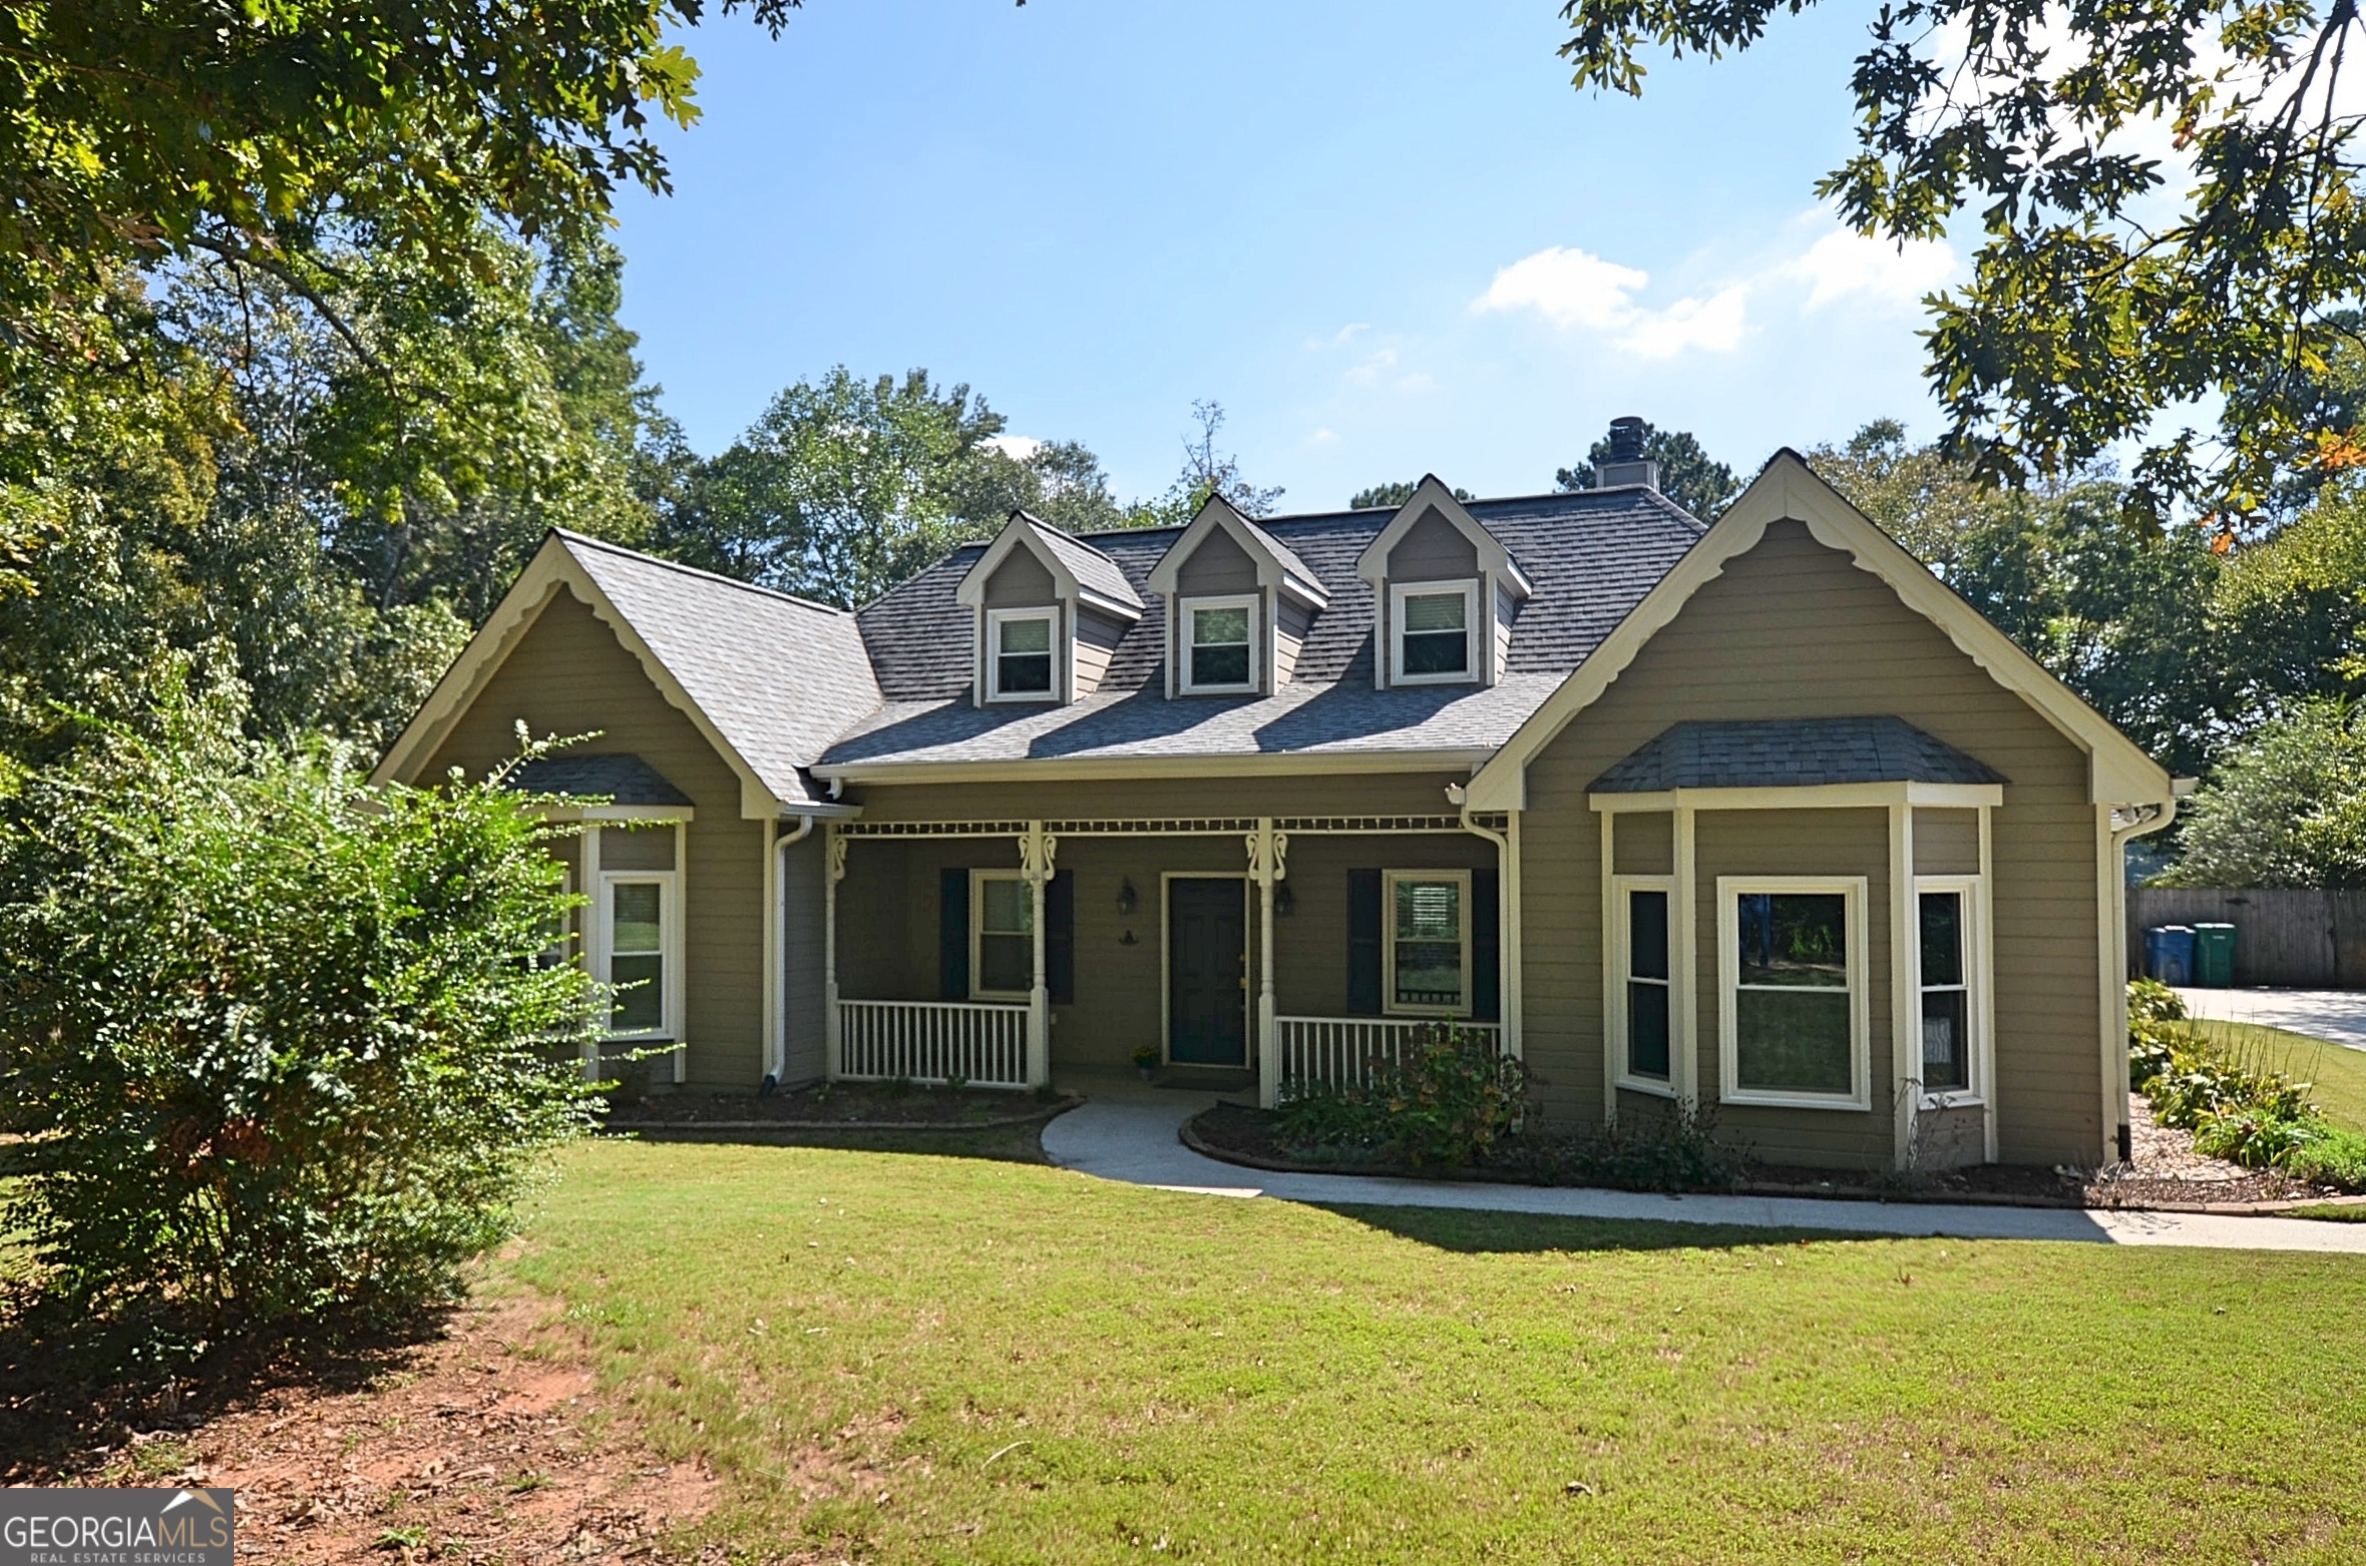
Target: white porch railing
933, 1041
1339, 1051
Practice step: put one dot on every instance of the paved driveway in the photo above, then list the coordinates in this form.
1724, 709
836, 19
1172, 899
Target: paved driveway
1131, 1137
2338, 1016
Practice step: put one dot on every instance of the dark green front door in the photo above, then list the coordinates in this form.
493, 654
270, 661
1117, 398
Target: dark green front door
1207, 957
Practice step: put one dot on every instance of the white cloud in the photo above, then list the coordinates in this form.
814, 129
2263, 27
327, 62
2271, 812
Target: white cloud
1568, 287
1715, 324
1379, 368
1845, 264
1574, 288
1016, 447
1323, 437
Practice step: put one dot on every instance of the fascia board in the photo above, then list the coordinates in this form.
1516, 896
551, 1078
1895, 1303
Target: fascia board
1787, 490
1120, 768
1816, 796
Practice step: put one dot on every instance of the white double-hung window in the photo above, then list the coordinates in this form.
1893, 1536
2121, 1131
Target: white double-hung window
1020, 647
1643, 998
1001, 935
1428, 951
1949, 959
1219, 644
640, 953
1433, 636
1793, 1015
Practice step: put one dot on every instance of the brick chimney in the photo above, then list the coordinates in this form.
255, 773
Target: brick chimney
1627, 464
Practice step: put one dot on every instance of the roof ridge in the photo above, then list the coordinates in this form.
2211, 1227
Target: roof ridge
573, 537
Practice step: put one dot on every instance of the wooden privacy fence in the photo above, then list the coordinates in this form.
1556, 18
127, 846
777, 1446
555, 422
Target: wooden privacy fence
2286, 937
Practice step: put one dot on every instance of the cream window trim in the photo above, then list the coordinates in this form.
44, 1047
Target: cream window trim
1621, 970
1852, 889
1057, 653
1977, 986
978, 880
669, 920
1389, 882
1253, 604
1398, 592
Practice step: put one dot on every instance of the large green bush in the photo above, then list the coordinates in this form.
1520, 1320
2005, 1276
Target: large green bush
278, 1045
1447, 1098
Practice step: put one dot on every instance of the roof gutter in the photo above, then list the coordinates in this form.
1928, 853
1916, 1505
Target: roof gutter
1119, 768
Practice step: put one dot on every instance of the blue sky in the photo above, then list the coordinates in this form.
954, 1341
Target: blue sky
1387, 237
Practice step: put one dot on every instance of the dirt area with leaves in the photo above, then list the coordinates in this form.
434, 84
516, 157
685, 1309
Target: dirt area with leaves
487, 1443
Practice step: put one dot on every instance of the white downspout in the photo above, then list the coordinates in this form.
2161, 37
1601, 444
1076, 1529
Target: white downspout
1507, 913
776, 947
2113, 955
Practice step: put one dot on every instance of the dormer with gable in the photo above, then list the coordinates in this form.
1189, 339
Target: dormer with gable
1444, 594
1239, 605
1049, 611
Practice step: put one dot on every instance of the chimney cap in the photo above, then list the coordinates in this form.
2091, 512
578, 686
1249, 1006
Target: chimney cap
1626, 438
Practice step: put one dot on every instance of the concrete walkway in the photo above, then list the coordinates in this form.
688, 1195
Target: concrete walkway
1130, 1136
2337, 1016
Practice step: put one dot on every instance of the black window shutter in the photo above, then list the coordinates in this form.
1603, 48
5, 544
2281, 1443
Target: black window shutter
1363, 942
1486, 948
1059, 937
953, 935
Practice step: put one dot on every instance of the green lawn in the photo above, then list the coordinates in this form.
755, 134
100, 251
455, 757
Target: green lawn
1033, 1366
2337, 1075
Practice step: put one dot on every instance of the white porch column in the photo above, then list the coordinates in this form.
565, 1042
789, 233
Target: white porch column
834, 855
595, 936
1267, 850
1036, 849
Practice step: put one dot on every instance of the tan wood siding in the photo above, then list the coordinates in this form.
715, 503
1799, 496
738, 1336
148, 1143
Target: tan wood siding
1020, 582
1292, 622
1646, 843
1433, 550
804, 990
1794, 630
1218, 565
1946, 842
1097, 637
569, 675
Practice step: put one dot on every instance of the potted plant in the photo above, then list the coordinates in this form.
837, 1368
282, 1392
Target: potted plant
1146, 1059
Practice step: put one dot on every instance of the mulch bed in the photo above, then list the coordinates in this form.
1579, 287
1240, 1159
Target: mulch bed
847, 1106
2167, 1174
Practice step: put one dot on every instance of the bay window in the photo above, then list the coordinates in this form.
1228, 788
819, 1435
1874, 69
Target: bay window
1643, 996
1793, 1009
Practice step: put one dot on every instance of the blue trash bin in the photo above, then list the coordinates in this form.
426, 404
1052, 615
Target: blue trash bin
2169, 953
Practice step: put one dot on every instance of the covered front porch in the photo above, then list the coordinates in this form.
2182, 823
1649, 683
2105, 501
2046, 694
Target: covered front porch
1296, 949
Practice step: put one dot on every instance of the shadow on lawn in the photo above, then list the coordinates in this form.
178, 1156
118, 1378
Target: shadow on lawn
73, 1391
1021, 1144
1475, 1232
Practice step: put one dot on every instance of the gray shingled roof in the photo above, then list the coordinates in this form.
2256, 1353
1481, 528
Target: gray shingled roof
1591, 557
1091, 568
1285, 554
779, 677
1804, 754
622, 779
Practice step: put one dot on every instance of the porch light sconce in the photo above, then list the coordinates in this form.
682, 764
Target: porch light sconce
1285, 901
1125, 897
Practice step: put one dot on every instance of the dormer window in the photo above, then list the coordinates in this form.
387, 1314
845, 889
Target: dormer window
1221, 644
1021, 641
1433, 622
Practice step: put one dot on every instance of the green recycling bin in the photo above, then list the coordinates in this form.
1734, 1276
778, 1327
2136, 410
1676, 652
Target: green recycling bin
2214, 956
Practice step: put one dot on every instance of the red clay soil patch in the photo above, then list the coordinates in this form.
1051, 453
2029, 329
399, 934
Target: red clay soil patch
470, 1450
